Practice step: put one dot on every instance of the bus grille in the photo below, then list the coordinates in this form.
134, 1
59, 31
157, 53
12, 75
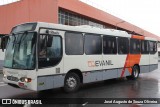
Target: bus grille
11, 78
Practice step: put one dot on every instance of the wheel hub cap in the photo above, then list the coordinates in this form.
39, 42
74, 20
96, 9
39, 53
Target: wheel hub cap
71, 82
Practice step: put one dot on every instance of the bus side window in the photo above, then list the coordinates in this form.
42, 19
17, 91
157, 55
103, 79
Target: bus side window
109, 45
144, 47
153, 47
93, 44
74, 43
134, 46
123, 45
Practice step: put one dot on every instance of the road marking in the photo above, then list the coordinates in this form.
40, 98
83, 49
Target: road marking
139, 104
3, 85
85, 104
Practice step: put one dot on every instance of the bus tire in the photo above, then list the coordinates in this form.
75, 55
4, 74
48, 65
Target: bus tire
135, 73
71, 82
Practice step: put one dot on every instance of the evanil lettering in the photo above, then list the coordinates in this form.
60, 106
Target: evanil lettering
99, 63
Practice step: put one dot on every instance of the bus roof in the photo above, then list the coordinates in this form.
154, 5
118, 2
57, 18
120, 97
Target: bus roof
84, 29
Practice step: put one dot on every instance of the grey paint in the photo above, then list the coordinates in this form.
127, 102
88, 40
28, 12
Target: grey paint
49, 82
153, 67
108, 74
56, 81
1, 64
144, 68
126, 73
94, 76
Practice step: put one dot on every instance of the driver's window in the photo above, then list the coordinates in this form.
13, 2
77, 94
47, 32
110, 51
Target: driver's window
50, 50
54, 50
42, 46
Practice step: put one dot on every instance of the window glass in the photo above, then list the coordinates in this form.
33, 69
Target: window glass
54, 50
109, 45
134, 46
9, 56
20, 53
42, 46
144, 47
74, 43
93, 44
153, 47
50, 50
72, 19
0, 43
24, 27
123, 45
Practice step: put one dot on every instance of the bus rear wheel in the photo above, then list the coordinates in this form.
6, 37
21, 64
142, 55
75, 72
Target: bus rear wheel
135, 73
71, 82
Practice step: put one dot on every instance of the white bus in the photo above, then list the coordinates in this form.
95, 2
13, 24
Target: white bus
41, 56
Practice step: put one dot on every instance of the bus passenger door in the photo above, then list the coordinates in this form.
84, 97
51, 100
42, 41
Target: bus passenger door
50, 61
153, 59
145, 57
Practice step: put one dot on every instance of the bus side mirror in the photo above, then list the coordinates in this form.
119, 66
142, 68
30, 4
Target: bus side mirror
2, 49
49, 41
3, 43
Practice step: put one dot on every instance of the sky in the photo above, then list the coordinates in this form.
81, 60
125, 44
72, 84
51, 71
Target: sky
142, 13
2, 2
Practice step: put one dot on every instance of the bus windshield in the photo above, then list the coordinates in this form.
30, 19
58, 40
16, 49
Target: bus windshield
20, 52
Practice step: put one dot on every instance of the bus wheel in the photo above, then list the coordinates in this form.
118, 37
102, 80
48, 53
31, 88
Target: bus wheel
71, 82
135, 73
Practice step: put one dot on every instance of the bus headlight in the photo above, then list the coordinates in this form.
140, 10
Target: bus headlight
25, 79
22, 79
28, 80
5, 76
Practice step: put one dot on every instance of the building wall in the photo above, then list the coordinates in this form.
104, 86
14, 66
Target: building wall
27, 11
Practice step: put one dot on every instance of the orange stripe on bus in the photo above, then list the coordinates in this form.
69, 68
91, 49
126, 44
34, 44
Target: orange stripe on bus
132, 59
